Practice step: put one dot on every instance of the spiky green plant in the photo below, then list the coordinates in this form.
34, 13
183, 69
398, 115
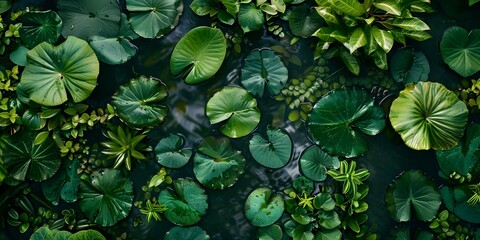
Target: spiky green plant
350, 176
153, 210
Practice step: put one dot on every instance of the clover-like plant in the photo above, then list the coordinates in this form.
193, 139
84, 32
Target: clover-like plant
350, 176
124, 145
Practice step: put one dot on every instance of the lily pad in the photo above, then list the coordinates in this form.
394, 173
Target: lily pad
428, 115
186, 233
45, 233
25, 160
154, 18
217, 165
106, 196
304, 21
263, 207
52, 71
250, 17
273, 152
170, 153
412, 190
199, 54
40, 26
461, 50
138, 102
314, 163
63, 184
263, 68
338, 118
186, 203
237, 108
272, 232
455, 200
409, 66
86, 18
89, 234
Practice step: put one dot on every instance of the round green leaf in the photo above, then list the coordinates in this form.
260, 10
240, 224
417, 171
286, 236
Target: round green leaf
272, 232
25, 160
250, 17
186, 203
52, 71
314, 163
86, 18
199, 54
170, 153
154, 18
113, 50
263, 207
106, 196
217, 165
273, 152
409, 66
304, 21
87, 235
428, 115
237, 108
412, 190
264, 68
461, 50
38, 27
138, 102
186, 233
337, 119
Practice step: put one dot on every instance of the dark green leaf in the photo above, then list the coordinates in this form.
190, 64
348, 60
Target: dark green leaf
38, 27
314, 163
170, 153
273, 152
63, 184
272, 232
263, 207
409, 66
250, 18
304, 21
350, 7
461, 50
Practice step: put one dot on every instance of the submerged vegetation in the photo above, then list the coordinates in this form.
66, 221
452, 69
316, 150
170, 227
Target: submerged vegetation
226, 119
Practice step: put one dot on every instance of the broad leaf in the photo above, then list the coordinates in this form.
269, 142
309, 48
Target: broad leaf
45, 233
250, 17
328, 14
314, 163
19, 56
63, 184
461, 50
5, 5
304, 21
86, 18
409, 24
87, 235
412, 190
138, 102
25, 160
409, 66
383, 38
199, 54
356, 40
272, 232
186, 203
106, 196
237, 108
170, 153
55, 72
338, 118
263, 68
428, 115
456, 200
273, 152
38, 27
263, 207
154, 18
204, 7
217, 165
186, 233
389, 6
350, 7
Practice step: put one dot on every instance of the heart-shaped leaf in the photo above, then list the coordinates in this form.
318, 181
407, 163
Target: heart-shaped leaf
314, 163
217, 165
86, 18
186, 203
138, 102
186, 233
263, 207
263, 68
154, 18
461, 50
199, 54
412, 190
237, 108
170, 153
428, 115
304, 21
106, 196
273, 152
52, 71
409, 66
250, 17
38, 27
26, 160
337, 119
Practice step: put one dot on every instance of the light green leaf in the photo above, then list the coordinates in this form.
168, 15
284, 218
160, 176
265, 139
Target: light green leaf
45, 233
350, 7
204, 7
52, 71
416, 35
471, 2
186, 233
314, 163
357, 40
250, 17
409, 24
199, 54
273, 152
328, 14
383, 37
263, 207
461, 50
170, 153
38, 27
5, 5
237, 108
380, 59
89, 234
428, 115
389, 6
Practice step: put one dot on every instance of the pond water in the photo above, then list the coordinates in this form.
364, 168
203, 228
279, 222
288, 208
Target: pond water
386, 158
